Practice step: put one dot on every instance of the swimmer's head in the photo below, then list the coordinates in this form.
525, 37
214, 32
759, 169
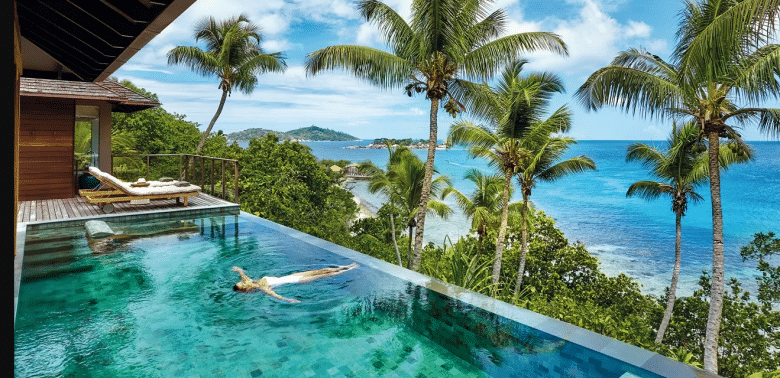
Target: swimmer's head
241, 286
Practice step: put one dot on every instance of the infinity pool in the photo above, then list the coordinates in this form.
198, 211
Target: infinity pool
162, 305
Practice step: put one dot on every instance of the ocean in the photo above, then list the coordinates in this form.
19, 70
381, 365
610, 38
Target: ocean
628, 235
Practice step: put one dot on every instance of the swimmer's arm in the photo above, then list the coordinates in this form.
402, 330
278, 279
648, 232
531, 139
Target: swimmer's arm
241, 273
277, 296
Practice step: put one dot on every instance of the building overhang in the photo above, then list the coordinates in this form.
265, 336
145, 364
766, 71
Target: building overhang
121, 98
90, 39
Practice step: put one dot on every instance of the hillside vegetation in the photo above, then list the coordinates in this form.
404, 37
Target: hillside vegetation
312, 133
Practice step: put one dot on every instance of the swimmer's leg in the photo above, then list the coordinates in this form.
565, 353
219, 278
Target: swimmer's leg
312, 275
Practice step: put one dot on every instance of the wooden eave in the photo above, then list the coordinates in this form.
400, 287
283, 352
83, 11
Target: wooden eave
93, 38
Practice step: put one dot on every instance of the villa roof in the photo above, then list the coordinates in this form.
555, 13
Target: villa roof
122, 99
92, 39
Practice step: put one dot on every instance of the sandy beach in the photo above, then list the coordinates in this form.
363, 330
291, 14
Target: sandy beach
364, 208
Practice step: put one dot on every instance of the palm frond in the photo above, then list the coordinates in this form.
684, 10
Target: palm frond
466, 133
709, 36
439, 208
630, 89
482, 32
195, 59
484, 61
649, 190
770, 122
398, 33
576, 164
757, 79
644, 61
479, 99
375, 66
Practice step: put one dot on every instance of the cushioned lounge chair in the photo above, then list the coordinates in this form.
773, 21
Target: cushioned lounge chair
112, 190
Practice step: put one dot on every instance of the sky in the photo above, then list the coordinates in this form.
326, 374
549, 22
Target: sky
593, 30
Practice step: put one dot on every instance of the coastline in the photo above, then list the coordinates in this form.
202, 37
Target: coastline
364, 208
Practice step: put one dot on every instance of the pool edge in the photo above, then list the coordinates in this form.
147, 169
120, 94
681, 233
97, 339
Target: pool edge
619, 350
21, 235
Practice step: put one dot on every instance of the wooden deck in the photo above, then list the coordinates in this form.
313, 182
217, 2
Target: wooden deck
78, 207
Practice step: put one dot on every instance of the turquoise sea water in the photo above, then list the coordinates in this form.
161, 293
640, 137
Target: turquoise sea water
628, 235
163, 306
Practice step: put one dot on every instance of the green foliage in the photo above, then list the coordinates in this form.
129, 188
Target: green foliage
282, 182
750, 340
155, 130
378, 227
150, 131
773, 374
762, 246
460, 264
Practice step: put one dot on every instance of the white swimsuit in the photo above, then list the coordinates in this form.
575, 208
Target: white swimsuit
276, 281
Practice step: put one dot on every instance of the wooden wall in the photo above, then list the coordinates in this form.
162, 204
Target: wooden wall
46, 149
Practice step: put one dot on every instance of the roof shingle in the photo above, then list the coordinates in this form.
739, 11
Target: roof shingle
123, 99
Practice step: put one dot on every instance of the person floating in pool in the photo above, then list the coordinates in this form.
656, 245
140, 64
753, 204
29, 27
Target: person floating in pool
268, 283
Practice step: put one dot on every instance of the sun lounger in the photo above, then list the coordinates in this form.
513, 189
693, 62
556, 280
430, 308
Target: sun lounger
112, 190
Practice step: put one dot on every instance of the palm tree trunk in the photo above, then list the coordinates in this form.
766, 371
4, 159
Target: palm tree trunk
409, 254
213, 121
502, 230
523, 247
673, 288
716, 292
479, 242
426, 189
392, 233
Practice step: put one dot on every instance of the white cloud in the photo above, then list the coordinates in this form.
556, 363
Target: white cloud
139, 67
275, 45
273, 24
637, 29
291, 100
593, 38
368, 35
656, 46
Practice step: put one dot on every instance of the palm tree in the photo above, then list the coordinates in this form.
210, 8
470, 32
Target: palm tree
511, 107
403, 184
723, 67
380, 182
233, 55
484, 205
682, 168
542, 163
444, 41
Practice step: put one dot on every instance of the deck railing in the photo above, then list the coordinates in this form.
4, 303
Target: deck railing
191, 168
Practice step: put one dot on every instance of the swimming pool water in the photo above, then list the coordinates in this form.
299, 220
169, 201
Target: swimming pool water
162, 305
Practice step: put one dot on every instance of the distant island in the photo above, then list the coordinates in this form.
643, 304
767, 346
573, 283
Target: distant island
412, 144
311, 133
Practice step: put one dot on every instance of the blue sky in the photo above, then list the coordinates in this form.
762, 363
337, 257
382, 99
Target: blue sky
594, 31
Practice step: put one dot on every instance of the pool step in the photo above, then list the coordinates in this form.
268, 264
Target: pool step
56, 257
54, 246
37, 273
53, 238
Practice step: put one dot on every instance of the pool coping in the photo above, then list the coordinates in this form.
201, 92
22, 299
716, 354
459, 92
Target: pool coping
627, 353
624, 352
